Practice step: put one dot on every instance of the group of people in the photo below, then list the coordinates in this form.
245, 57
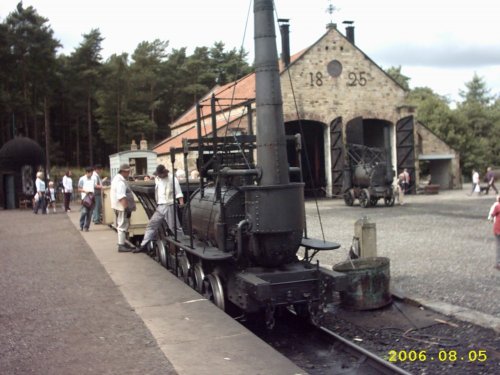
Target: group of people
122, 202
89, 184
489, 179
45, 198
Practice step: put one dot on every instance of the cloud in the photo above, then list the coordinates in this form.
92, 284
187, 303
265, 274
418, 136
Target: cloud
445, 55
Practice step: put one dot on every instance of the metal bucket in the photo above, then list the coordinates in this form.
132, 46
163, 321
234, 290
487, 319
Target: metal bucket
368, 285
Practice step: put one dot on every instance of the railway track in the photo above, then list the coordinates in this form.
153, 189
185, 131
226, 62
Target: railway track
367, 362
320, 351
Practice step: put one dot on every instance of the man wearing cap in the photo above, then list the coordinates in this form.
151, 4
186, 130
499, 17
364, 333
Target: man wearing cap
120, 204
165, 209
96, 176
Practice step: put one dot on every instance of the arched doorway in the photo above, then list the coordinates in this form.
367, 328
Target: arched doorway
313, 154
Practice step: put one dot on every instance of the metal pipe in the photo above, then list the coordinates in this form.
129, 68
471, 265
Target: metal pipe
298, 149
239, 233
271, 143
185, 146
172, 159
214, 124
200, 148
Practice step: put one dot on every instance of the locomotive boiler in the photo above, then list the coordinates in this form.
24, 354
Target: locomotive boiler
245, 223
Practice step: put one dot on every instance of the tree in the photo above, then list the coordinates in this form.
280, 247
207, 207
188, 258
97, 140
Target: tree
400, 78
86, 61
478, 121
32, 61
112, 99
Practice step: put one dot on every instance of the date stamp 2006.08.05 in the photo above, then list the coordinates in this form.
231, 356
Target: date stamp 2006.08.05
442, 355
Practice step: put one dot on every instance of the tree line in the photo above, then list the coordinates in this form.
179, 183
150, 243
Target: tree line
472, 128
81, 108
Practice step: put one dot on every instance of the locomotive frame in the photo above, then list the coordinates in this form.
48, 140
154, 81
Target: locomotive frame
368, 176
246, 221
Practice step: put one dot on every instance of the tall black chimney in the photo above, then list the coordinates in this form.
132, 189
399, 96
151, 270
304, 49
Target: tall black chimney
285, 41
349, 31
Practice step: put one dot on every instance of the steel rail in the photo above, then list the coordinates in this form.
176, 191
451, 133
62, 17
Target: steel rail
373, 361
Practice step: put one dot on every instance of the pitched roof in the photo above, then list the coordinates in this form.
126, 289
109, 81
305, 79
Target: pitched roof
228, 98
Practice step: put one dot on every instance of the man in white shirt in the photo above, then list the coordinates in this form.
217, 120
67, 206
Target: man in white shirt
165, 209
40, 194
67, 182
86, 185
96, 176
120, 195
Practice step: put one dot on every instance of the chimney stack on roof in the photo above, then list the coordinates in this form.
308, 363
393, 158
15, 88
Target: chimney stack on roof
349, 31
143, 145
285, 41
133, 145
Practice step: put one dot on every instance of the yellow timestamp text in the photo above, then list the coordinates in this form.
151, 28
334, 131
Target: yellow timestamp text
441, 356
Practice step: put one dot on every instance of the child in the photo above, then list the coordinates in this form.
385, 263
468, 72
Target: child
51, 197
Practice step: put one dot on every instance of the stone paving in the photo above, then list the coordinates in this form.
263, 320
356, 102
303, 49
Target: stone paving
441, 246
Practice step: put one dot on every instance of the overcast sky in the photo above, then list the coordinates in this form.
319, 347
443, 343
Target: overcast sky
438, 43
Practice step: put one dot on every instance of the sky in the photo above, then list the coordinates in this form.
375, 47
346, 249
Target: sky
439, 44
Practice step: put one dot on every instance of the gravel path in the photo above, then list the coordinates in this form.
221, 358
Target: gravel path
441, 246
60, 313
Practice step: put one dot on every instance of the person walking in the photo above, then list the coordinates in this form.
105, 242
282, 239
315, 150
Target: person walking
165, 186
475, 182
67, 183
86, 186
121, 202
490, 180
40, 194
96, 176
493, 215
50, 196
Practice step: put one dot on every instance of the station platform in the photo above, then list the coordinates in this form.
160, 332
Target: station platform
71, 304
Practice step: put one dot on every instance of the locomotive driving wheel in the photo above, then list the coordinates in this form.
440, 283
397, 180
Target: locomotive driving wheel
162, 252
199, 276
389, 201
213, 291
349, 197
184, 268
364, 198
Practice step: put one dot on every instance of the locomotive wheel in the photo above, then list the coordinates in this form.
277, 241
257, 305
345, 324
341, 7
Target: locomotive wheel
199, 276
213, 291
389, 201
349, 197
162, 252
184, 268
364, 198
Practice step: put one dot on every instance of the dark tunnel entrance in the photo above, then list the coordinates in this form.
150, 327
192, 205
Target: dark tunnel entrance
313, 155
367, 132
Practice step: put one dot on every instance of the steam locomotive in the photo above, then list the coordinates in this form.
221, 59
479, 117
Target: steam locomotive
245, 223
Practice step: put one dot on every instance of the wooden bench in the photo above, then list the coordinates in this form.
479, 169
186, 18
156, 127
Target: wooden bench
24, 202
431, 189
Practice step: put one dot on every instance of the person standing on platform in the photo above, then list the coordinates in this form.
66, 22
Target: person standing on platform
67, 182
40, 194
494, 215
121, 200
86, 185
165, 208
96, 176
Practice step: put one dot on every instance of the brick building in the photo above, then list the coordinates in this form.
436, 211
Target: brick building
334, 95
